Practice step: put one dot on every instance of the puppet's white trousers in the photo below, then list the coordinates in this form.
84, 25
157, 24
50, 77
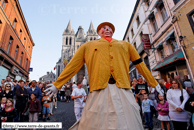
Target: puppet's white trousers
111, 108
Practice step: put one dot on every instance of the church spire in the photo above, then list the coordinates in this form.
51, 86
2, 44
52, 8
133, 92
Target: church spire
69, 29
91, 29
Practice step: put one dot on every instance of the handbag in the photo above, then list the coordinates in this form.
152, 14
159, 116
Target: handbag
181, 97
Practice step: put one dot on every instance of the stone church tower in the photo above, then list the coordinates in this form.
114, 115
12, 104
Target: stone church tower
71, 42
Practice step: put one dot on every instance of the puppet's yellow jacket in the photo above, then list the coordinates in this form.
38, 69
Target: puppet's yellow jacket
103, 59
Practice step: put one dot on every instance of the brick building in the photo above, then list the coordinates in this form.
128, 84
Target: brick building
16, 43
185, 19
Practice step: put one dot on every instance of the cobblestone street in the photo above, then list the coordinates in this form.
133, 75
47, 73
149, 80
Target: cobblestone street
65, 114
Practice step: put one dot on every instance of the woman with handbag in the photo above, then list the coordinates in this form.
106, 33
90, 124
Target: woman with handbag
177, 97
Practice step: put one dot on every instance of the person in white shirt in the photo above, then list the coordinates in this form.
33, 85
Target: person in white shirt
74, 86
62, 93
79, 95
85, 85
177, 113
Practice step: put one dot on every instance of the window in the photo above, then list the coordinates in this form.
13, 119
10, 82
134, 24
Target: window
70, 41
154, 24
26, 63
163, 12
132, 32
0, 24
190, 17
77, 46
14, 23
4, 2
16, 52
20, 33
24, 40
128, 39
66, 40
176, 1
135, 45
9, 44
173, 44
140, 36
138, 21
21, 58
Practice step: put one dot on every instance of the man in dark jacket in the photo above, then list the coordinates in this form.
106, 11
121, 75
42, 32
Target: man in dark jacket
35, 89
189, 106
21, 99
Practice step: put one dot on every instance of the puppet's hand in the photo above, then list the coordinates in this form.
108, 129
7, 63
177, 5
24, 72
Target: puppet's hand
159, 90
51, 90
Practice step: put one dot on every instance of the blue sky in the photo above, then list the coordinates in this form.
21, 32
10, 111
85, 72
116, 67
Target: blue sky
47, 19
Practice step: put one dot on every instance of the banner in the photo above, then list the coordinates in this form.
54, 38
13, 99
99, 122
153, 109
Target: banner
146, 41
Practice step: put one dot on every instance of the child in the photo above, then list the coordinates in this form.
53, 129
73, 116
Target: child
45, 108
79, 95
146, 111
163, 111
3, 102
34, 108
9, 113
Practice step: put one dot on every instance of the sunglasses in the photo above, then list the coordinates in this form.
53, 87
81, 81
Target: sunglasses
8, 86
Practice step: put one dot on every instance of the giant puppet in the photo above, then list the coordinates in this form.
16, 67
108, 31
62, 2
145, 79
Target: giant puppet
110, 104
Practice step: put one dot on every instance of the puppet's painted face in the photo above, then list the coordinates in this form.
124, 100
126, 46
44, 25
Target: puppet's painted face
105, 31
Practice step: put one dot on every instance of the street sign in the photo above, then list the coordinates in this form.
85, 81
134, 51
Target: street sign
30, 69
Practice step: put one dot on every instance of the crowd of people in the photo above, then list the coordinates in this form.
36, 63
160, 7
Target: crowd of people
21, 99
175, 105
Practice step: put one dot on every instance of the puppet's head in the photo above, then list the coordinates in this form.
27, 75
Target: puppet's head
105, 29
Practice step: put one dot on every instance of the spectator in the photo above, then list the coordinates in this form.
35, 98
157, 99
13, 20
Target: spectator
84, 82
135, 80
26, 84
179, 79
187, 82
34, 108
21, 100
62, 93
35, 89
146, 104
163, 90
51, 105
67, 92
9, 113
7, 91
74, 86
152, 95
163, 111
140, 86
3, 102
40, 85
8, 80
168, 83
133, 87
189, 106
79, 95
177, 113
45, 111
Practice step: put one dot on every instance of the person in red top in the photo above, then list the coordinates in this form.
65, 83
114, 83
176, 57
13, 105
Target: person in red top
34, 108
168, 83
9, 113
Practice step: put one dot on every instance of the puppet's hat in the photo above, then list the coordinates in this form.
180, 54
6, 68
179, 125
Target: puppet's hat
106, 23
